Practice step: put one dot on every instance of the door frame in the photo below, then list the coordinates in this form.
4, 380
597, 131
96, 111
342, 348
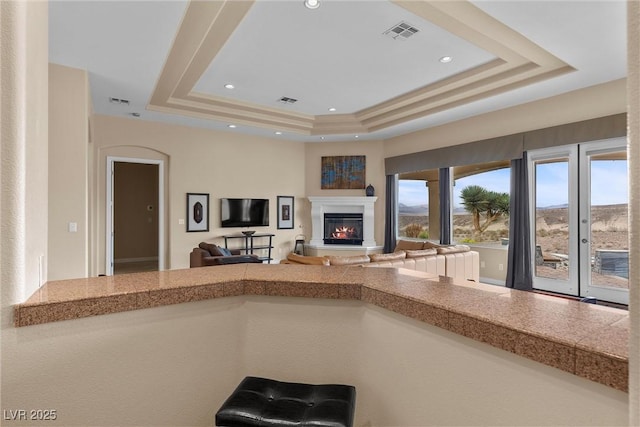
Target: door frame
109, 226
618, 295
579, 280
571, 285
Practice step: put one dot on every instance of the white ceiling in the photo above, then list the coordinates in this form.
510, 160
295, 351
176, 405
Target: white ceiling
334, 56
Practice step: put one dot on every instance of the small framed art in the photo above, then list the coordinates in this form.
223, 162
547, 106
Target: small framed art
285, 212
197, 212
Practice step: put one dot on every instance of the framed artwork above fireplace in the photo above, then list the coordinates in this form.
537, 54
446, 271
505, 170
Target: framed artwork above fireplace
343, 172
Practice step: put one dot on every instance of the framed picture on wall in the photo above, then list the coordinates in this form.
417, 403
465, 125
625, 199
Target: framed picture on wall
343, 172
197, 212
285, 212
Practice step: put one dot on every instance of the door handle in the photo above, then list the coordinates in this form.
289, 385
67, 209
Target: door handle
585, 241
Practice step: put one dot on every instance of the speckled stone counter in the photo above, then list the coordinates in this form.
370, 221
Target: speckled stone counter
587, 340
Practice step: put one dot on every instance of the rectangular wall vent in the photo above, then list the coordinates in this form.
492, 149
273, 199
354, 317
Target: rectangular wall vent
401, 31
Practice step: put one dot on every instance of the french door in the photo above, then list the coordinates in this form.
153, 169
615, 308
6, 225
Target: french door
579, 216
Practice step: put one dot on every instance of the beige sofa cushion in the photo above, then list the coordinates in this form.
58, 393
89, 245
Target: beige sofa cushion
443, 250
430, 245
348, 260
405, 245
421, 253
388, 257
308, 260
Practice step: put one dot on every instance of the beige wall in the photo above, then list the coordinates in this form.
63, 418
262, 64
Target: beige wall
223, 164
373, 150
23, 134
35, 133
175, 365
68, 174
490, 260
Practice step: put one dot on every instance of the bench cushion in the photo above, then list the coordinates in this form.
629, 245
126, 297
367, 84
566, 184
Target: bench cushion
265, 402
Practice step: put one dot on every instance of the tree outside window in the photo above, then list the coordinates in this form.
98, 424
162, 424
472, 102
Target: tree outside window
481, 207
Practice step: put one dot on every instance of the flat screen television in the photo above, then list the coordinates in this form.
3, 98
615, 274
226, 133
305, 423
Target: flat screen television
244, 212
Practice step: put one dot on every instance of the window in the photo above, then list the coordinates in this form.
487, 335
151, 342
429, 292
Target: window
419, 204
413, 208
481, 204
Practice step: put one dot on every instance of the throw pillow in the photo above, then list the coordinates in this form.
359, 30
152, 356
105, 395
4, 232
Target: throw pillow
388, 257
211, 248
453, 249
430, 245
410, 245
224, 251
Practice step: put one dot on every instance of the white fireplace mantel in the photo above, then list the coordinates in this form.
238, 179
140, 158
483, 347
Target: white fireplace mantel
342, 204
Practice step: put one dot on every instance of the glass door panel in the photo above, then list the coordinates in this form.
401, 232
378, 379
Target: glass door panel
554, 211
604, 239
552, 219
580, 202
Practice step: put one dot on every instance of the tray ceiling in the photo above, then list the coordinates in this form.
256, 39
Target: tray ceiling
171, 60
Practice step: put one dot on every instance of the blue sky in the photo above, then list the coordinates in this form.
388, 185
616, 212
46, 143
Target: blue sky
609, 184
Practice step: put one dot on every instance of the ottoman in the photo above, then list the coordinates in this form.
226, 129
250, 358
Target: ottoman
265, 402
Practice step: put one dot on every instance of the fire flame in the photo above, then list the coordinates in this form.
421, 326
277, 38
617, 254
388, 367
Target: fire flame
343, 232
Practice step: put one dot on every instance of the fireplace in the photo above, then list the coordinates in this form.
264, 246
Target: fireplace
343, 229
341, 205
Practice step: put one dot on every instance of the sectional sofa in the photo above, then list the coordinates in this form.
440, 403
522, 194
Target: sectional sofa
457, 261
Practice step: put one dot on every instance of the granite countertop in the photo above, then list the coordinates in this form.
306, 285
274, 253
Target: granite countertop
587, 340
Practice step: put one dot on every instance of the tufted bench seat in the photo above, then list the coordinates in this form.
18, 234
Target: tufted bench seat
264, 402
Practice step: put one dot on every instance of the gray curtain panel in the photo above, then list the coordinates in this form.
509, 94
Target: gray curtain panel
519, 274
391, 213
445, 205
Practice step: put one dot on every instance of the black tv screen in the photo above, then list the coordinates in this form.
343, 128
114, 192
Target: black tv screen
244, 212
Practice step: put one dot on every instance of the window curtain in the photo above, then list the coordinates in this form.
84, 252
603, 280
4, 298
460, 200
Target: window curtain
444, 175
391, 213
519, 274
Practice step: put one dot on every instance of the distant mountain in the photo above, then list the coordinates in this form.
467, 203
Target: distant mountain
424, 210
413, 210
553, 207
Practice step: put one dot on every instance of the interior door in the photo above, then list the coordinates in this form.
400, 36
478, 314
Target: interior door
110, 214
579, 205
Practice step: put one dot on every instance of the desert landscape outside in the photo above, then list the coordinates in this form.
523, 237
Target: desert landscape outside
480, 197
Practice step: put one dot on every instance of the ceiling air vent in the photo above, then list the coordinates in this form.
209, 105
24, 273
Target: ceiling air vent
287, 100
119, 101
401, 31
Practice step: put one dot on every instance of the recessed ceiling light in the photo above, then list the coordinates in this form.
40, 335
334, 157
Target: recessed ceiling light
357, 136
229, 86
232, 126
446, 59
278, 133
332, 109
311, 4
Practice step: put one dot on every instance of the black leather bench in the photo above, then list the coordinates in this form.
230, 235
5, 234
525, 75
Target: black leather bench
264, 402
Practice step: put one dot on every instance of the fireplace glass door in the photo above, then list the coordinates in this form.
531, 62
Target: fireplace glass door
343, 229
